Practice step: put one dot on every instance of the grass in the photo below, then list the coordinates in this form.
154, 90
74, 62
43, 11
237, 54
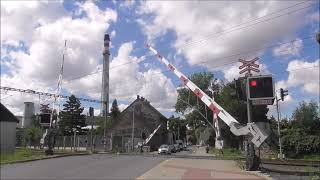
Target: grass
228, 153
19, 155
311, 157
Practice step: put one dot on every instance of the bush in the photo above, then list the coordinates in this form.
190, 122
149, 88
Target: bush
297, 143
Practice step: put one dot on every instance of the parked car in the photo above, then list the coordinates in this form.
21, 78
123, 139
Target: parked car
172, 148
164, 149
180, 142
177, 147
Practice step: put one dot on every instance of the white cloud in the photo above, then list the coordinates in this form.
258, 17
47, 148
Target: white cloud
302, 74
202, 21
42, 27
113, 34
292, 49
127, 3
126, 82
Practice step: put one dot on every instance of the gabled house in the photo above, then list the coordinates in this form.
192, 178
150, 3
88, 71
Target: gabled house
8, 124
142, 119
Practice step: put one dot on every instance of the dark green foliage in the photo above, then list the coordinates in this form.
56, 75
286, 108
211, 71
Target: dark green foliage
115, 112
71, 118
177, 125
306, 116
101, 122
35, 121
33, 136
301, 135
297, 142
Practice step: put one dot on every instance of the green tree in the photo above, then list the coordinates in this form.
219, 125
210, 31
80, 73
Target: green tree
301, 135
306, 116
71, 117
102, 122
33, 135
115, 112
187, 101
177, 125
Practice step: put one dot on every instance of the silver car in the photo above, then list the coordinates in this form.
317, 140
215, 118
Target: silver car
164, 149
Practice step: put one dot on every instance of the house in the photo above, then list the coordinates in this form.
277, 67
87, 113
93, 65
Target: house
141, 119
8, 124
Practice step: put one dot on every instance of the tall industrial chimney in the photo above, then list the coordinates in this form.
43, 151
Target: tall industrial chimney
105, 77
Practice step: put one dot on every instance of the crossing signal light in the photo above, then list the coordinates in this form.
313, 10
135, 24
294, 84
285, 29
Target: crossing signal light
45, 118
240, 89
283, 93
260, 87
253, 83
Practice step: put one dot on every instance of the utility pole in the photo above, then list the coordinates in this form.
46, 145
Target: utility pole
133, 129
247, 67
250, 147
278, 112
91, 116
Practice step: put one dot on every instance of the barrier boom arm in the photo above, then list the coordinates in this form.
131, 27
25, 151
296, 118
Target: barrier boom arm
256, 134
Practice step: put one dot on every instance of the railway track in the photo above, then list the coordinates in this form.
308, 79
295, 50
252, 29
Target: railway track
291, 167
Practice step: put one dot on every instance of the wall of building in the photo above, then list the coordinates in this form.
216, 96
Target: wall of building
7, 136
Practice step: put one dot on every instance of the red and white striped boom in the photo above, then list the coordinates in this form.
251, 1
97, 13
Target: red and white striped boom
251, 128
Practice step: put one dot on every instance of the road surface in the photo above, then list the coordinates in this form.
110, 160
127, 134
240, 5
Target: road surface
99, 166
107, 166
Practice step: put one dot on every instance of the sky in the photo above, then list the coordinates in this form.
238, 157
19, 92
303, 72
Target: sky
195, 36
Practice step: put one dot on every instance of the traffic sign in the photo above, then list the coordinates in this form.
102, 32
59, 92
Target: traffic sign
262, 102
249, 63
249, 69
249, 66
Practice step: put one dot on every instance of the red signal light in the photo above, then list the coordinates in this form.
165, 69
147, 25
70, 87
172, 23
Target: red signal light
253, 83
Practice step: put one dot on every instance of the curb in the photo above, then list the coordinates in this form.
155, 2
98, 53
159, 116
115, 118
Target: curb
260, 174
45, 157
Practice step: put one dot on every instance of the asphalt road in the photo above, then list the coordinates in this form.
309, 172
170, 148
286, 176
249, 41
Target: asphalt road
99, 166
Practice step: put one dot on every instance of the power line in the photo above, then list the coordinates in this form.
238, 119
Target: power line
206, 61
266, 20
226, 32
30, 91
191, 71
221, 58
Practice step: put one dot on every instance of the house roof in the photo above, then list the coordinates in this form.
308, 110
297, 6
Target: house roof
6, 115
146, 103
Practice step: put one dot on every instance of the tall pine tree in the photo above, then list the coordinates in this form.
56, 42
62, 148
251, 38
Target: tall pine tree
115, 112
71, 118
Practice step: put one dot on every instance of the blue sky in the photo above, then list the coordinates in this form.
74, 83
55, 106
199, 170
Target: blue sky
32, 46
